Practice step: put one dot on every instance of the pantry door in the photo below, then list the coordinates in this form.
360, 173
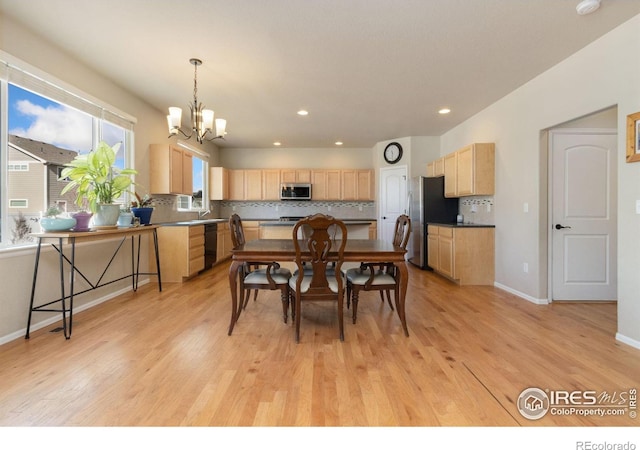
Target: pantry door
393, 199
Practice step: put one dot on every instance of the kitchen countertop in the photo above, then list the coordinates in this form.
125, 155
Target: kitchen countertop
189, 223
462, 225
281, 223
264, 222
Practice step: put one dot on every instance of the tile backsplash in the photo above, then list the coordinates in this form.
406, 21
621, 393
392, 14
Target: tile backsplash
276, 209
478, 209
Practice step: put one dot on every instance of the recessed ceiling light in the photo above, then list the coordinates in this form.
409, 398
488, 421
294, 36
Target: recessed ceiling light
277, 143
338, 143
303, 112
444, 111
587, 6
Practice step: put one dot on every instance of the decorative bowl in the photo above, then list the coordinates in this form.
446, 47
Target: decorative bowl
57, 223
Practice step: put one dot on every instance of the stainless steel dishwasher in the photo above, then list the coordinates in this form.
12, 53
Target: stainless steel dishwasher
210, 244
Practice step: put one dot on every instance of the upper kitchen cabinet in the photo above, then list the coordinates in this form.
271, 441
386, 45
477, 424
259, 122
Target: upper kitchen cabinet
245, 184
295, 176
436, 168
470, 171
218, 183
271, 184
326, 184
171, 170
357, 184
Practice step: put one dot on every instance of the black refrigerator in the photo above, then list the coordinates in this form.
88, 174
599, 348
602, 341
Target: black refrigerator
427, 204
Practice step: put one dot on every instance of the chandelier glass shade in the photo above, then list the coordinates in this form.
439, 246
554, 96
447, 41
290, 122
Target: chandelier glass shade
202, 120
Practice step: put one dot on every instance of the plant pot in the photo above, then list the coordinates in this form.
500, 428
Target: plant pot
106, 216
144, 214
57, 223
82, 221
124, 219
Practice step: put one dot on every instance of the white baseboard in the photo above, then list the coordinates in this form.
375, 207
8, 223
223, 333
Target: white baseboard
45, 323
537, 301
627, 340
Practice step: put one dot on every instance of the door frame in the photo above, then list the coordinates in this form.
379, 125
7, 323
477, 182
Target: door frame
549, 221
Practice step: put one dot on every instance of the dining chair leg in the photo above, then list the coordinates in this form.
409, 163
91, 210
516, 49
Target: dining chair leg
355, 293
284, 296
349, 288
389, 299
297, 309
341, 315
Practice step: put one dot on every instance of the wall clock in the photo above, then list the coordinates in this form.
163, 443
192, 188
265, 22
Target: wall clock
393, 153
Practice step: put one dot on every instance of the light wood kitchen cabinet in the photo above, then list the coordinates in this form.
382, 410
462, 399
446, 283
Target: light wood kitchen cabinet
373, 230
223, 243
271, 184
357, 184
436, 168
171, 170
462, 254
182, 252
326, 184
253, 184
218, 183
236, 184
470, 171
450, 175
476, 170
295, 176
245, 184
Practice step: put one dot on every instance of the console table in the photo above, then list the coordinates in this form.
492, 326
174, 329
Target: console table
59, 239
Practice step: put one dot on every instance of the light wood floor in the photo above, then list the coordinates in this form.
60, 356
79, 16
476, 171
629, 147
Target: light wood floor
164, 359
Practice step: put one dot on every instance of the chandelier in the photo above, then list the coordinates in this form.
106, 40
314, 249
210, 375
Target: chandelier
201, 119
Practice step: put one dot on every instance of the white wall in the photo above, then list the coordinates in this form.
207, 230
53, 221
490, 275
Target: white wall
16, 266
603, 74
298, 158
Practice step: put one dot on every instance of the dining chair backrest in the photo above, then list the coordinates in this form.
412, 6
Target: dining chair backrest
402, 231
316, 248
237, 232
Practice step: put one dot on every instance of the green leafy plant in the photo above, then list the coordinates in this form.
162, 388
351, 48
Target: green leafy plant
52, 211
142, 202
94, 177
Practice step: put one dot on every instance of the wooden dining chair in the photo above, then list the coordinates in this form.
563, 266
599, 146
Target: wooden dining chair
382, 277
317, 279
256, 275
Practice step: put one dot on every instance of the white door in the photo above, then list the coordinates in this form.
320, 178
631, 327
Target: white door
393, 199
583, 214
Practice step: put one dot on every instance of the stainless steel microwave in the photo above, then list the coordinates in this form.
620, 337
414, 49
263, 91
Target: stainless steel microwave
295, 191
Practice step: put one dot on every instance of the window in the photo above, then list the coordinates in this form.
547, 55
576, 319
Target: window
199, 199
18, 203
48, 124
18, 167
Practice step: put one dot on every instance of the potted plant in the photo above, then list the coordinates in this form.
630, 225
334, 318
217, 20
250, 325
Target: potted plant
125, 218
142, 207
53, 219
83, 217
98, 183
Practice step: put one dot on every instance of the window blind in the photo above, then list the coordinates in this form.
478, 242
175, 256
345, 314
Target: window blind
53, 91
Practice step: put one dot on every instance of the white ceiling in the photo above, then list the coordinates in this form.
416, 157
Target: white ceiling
367, 70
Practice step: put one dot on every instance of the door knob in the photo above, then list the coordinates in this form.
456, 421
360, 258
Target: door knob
560, 227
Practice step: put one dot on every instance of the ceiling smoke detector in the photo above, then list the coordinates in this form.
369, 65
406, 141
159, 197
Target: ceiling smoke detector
587, 6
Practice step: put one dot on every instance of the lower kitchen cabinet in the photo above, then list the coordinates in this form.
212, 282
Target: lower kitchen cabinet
465, 255
182, 252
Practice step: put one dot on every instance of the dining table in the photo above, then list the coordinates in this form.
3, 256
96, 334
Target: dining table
283, 250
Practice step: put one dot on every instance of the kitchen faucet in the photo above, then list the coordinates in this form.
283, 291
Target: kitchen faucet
201, 214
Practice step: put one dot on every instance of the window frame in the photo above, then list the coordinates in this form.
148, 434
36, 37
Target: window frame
27, 77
